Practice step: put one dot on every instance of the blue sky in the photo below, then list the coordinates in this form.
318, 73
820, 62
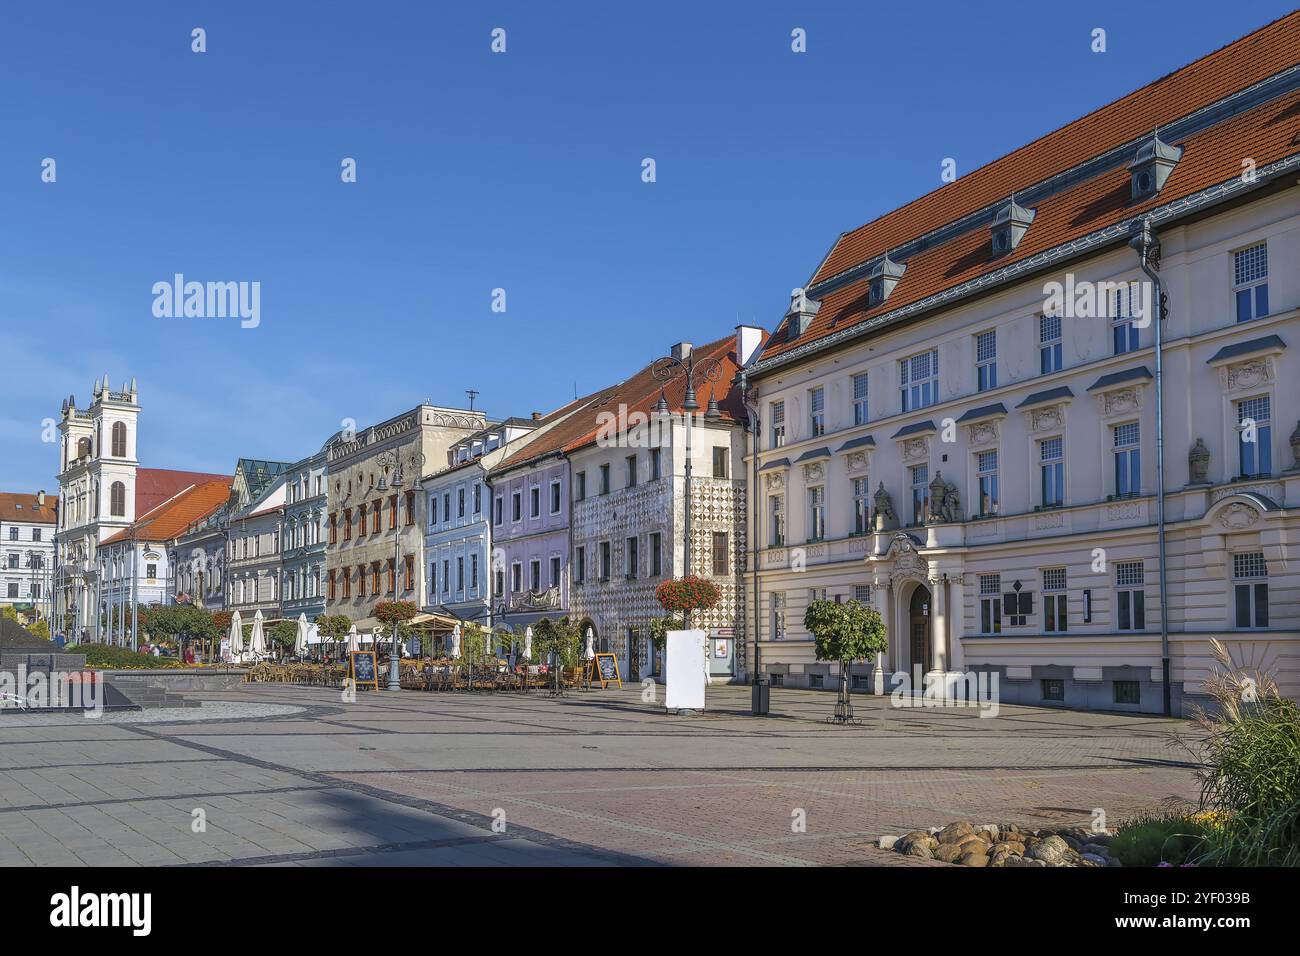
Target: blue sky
477, 171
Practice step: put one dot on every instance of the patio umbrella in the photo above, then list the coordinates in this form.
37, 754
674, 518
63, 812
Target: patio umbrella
455, 641
300, 643
257, 640
589, 651
528, 643
353, 644
236, 636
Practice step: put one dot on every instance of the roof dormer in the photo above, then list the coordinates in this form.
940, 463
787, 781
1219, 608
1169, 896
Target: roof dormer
802, 311
881, 279
1009, 226
1154, 161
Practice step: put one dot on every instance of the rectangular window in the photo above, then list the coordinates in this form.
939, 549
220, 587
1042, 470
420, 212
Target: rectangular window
535, 575
460, 502
581, 493
776, 601
473, 571
516, 577
1051, 459
516, 506
579, 564
460, 574
862, 593
816, 513
721, 563
496, 510
1049, 344
776, 508
1130, 577
656, 458
991, 604
1053, 689
721, 461
604, 560
986, 360
408, 572
1054, 600
861, 506
534, 502
433, 510
555, 570
816, 412
920, 482
1250, 589
630, 471
860, 398
986, 473
1255, 436
604, 479
1124, 332
555, 497
778, 424
478, 498
919, 380
656, 558
633, 557
1128, 460
1127, 692
1250, 282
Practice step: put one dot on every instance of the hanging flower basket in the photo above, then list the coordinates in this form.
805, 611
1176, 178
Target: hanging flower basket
687, 594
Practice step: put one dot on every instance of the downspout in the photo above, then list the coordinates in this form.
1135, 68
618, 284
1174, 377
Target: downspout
1143, 239
752, 411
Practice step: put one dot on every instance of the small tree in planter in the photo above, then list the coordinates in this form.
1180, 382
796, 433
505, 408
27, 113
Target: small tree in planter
845, 633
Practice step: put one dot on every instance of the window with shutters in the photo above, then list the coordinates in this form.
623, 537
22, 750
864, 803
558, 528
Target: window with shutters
721, 560
119, 440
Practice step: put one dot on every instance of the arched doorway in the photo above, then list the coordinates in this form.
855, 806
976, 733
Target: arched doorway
918, 627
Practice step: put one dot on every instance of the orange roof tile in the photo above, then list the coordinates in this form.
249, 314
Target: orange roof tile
172, 517
153, 486
22, 507
1211, 156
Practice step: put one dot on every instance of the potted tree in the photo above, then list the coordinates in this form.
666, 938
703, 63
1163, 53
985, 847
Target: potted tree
845, 633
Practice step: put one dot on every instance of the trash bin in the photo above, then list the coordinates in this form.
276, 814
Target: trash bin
762, 695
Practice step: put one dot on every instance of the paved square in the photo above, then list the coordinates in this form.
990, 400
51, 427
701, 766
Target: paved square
280, 775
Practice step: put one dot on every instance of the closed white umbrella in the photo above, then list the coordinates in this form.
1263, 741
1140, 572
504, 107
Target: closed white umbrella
353, 644
589, 652
257, 640
236, 636
528, 643
300, 643
455, 641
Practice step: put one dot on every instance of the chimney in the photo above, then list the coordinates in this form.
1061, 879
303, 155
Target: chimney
537, 416
748, 338
680, 351
40, 499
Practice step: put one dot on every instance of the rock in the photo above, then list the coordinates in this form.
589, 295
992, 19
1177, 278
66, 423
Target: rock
1095, 849
974, 858
916, 838
1023, 861
887, 842
989, 828
948, 852
1094, 859
1013, 847
953, 832
917, 849
1100, 839
995, 861
971, 842
1053, 851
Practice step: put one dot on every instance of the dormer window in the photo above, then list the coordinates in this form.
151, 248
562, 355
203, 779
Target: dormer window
1154, 161
1009, 226
881, 279
802, 311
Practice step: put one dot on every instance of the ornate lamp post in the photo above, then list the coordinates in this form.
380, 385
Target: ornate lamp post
710, 370
392, 461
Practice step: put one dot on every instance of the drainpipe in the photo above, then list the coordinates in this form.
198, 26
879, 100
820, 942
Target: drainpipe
1143, 239
752, 411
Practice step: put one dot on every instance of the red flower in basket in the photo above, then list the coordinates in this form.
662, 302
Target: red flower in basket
687, 594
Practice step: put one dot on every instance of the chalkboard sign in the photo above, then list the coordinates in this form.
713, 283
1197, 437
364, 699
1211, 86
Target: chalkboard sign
365, 669
604, 668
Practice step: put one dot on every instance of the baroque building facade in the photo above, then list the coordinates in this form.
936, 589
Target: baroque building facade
302, 535
959, 410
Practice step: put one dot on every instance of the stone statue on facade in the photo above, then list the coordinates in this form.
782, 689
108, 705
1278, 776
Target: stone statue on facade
1198, 463
886, 520
945, 502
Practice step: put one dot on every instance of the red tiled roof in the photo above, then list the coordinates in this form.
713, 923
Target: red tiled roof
15, 506
1210, 156
153, 486
166, 521
639, 393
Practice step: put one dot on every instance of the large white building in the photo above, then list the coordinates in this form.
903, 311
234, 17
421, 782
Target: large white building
959, 411
27, 551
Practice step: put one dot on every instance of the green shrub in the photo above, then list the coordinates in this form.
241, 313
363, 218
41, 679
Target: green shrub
1153, 839
109, 657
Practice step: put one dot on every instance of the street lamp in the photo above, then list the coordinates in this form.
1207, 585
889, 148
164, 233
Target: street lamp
710, 370
391, 460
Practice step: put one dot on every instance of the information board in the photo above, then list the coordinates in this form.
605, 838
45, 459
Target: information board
365, 669
604, 668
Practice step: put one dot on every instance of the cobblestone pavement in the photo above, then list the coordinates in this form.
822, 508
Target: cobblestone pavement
276, 775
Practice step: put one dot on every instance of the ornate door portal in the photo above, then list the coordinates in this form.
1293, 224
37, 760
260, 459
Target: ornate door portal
919, 628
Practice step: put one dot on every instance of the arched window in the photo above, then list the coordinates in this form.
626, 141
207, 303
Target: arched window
83, 447
119, 439
117, 500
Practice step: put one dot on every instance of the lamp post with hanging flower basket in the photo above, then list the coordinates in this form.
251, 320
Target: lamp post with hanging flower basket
687, 594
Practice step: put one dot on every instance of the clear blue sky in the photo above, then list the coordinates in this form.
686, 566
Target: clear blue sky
476, 171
